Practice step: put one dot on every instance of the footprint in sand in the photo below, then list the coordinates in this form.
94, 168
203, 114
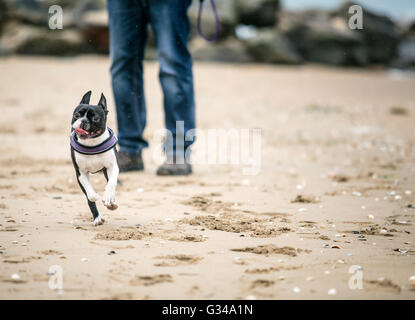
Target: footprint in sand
122, 235
270, 269
237, 223
150, 280
270, 249
305, 199
177, 260
262, 283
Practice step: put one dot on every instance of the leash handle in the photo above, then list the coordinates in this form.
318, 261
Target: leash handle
217, 22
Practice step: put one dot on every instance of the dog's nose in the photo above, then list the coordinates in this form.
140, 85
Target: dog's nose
84, 124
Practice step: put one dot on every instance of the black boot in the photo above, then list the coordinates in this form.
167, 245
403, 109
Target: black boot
129, 162
170, 168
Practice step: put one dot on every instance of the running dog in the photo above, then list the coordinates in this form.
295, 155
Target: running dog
93, 150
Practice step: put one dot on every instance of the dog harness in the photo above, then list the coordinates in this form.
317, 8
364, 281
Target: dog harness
101, 148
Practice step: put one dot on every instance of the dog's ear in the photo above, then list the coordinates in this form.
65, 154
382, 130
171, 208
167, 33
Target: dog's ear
103, 103
86, 98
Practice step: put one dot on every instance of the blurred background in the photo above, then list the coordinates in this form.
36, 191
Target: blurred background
267, 31
336, 110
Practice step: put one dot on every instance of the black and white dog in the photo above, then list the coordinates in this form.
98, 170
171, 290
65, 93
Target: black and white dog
93, 150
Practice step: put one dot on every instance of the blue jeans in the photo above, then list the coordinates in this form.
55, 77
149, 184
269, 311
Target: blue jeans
128, 23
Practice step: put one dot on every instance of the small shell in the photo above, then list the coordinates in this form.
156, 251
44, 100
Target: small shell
296, 289
246, 182
332, 292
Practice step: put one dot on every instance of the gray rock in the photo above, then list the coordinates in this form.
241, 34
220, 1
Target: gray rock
95, 32
406, 49
406, 53
3, 15
229, 50
379, 34
35, 12
259, 13
270, 46
23, 39
27, 11
321, 38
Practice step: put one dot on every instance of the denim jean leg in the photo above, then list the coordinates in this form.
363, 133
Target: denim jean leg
128, 35
171, 30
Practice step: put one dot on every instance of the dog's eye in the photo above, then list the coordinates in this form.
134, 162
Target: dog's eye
95, 119
77, 115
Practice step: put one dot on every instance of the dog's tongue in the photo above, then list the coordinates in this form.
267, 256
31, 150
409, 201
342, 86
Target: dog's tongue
82, 131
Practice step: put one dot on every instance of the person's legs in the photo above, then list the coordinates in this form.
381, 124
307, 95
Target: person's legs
171, 28
128, 35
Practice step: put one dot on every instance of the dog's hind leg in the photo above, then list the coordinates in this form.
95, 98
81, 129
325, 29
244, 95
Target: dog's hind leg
98, 219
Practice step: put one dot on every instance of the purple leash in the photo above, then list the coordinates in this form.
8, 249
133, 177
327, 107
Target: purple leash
217, 22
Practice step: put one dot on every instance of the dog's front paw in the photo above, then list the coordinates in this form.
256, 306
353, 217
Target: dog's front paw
98, 220
109, 200
93, 197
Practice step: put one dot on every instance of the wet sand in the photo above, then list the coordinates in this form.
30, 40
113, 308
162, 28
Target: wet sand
335, 189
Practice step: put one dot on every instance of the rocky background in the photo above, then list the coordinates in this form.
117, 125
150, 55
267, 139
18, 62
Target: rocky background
251, 31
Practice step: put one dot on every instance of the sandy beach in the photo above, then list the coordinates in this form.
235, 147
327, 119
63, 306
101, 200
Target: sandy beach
335, 192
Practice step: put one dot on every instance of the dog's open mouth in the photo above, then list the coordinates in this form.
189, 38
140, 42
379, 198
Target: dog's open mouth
86, 134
